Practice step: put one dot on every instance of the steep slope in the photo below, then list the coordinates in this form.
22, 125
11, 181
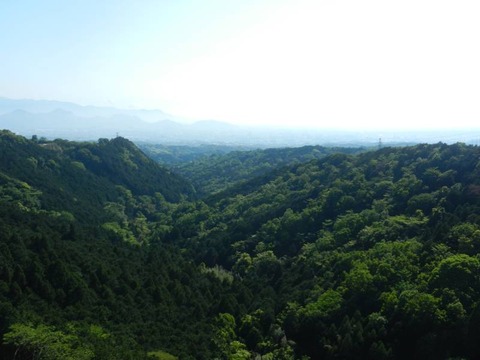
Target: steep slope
62, 278
121, 162
367, 256
81, 177
74, 280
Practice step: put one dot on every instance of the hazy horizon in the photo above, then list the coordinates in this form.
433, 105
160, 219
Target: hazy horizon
118, 112
303, 63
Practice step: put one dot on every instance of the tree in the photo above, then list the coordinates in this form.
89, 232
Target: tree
460, 273
46, 343
225, 339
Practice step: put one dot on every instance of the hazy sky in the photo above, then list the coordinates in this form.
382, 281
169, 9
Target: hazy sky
335, 63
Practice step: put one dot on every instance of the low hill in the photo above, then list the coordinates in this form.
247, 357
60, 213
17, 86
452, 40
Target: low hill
216, 172
81, 177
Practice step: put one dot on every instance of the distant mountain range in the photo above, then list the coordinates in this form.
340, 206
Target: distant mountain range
47, 106
52, 119
56, 119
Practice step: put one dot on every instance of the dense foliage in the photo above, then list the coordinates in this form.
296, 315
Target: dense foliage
173, 155
373, 255
70, 258
216, 171
366, 256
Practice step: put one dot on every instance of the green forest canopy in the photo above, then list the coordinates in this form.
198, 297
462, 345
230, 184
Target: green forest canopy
104, 254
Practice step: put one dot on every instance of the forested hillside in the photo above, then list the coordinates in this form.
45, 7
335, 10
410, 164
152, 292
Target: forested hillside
214, 169
106, 255
75, 282
174, 155
367, 256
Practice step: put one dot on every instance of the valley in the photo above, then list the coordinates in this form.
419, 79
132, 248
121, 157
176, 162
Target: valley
289, 253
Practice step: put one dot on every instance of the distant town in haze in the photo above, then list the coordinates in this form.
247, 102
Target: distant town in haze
56, 119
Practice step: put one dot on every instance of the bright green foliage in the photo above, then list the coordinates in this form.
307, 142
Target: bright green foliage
225, 339
325, 306
420, 308
467, 235
359, 280
46, 343
161, 355
366, 256
461, 274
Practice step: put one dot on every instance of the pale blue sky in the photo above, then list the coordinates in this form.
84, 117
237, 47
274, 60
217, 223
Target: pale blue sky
336, 63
